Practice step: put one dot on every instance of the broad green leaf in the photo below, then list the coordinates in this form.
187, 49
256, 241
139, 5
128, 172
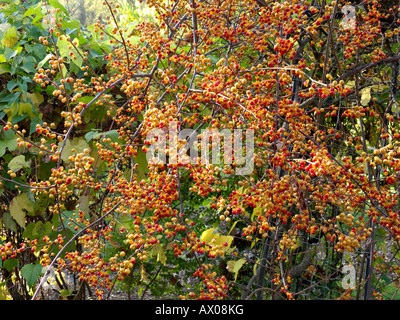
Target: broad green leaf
35, 9
10, 42
58, 5
73, 147
8, 141
94, 135
20, 109
34, 98
8, 222
72, 25
64, 45
71, 215
11, 53
18, 163
46, 58
18, 207
28, 231
126, 221
12, 84
41, 229
31, 272
4, 67
9, 264
25, 108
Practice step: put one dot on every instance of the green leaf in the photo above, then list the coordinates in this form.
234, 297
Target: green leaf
33, 10
10, 53
9, 35
26, 108
8, 142
142, 168
12, 84
63, 45
66, 293
9, 264
28, 231
8, 222
28, 66
58, 5
34, 98
31, 272
4, 67
18, 163
76, 144
94, 135
46, 58
40, 229
18, 207
71, 215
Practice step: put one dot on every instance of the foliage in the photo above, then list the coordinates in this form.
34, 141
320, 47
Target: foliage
317, 216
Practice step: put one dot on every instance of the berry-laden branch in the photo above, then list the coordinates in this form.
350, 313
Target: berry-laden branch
70, 241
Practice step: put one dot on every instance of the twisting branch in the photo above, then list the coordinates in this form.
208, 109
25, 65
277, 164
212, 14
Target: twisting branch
94, 223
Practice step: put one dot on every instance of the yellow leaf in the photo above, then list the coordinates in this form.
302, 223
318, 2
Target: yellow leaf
234, 266
350, 84
230, 265
19, 206
256, 211
365, 96
157, 249
212, 237
207, 235
143, 276
233, 226
255, 267
224, 239
35, 98
253, 243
